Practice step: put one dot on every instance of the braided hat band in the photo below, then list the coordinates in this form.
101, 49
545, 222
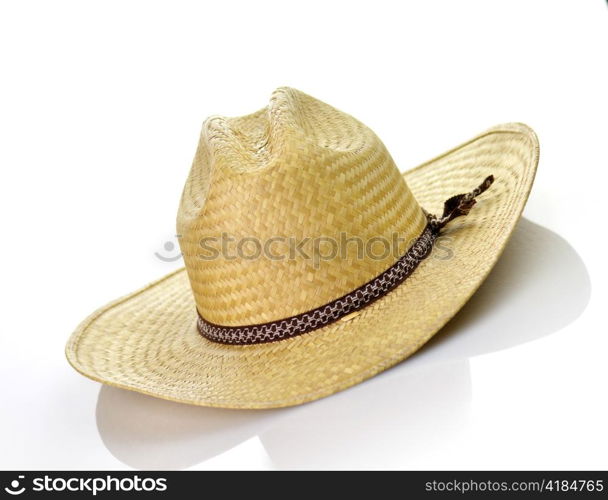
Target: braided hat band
456, 206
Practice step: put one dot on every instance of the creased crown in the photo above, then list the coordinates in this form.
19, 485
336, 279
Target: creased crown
297, 174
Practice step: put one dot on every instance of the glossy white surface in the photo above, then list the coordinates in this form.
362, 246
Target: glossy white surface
101, 107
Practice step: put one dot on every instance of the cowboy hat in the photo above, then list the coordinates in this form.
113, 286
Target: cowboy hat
311, 262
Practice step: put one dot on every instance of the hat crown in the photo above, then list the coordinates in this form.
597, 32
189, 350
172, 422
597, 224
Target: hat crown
289, 208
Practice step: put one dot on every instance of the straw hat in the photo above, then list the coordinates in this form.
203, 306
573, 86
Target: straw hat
311, 262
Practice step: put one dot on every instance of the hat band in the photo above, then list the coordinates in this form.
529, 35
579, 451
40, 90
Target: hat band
353, 301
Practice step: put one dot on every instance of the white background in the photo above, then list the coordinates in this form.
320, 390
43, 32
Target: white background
101, 105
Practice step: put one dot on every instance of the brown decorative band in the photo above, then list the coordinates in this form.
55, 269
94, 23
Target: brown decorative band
328, 313
363, 296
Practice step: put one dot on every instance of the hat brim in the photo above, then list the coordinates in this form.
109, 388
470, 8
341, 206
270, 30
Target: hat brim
148, 341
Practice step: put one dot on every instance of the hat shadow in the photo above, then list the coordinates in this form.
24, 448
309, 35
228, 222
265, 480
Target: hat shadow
539, 285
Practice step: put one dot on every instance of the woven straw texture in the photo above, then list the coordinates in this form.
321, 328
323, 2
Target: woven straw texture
148, 341
296, 169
